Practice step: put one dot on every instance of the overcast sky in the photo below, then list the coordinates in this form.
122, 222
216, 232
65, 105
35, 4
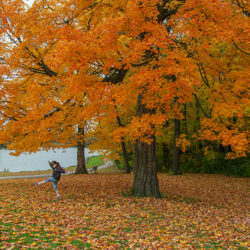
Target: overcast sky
29, 2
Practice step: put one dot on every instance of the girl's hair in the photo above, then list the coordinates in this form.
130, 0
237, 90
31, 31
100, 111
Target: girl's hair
55, 162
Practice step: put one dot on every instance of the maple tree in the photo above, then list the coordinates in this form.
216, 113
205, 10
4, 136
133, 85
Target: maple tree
70, 64
31, 77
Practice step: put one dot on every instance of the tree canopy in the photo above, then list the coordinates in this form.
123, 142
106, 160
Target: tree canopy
68, 64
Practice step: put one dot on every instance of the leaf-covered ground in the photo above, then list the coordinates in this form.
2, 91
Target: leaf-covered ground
95, 212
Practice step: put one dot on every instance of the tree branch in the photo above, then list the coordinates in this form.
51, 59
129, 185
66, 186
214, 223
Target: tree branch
237, 47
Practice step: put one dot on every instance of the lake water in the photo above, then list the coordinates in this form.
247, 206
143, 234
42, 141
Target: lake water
39, 160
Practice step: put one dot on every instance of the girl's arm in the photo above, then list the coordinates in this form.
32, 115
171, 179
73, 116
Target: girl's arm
50, 164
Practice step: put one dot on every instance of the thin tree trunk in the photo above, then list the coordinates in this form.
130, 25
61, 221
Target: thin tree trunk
177, 152
145, 173
198, 149
166, 152
185, 129
81, 166
166, 156
185, 119
125, 157
124, 150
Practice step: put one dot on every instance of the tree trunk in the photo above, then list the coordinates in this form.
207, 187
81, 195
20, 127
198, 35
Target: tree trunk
185, 119
166, 156
145, 173
124, 150
81, 167
177, 152
125, 157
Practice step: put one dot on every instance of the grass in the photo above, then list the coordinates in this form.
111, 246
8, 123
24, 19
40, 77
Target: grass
22, 173
94, 161
110, 170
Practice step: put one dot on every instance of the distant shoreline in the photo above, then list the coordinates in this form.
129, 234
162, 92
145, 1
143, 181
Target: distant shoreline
39, 160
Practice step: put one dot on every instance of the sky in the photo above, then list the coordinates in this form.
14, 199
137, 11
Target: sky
29, 2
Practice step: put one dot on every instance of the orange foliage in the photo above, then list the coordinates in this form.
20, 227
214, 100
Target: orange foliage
182, 142
65, 63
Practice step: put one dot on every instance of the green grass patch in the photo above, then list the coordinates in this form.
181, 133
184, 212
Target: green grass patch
110, 170
95, 161
81, 244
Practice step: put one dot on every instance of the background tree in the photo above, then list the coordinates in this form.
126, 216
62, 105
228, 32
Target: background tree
32, 87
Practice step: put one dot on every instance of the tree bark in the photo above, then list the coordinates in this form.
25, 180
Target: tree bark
177, 152
81, 166
125, 158
124, 150
166, 156
145, 172
185, 119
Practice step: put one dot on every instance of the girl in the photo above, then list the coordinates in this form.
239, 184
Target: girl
57, 171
